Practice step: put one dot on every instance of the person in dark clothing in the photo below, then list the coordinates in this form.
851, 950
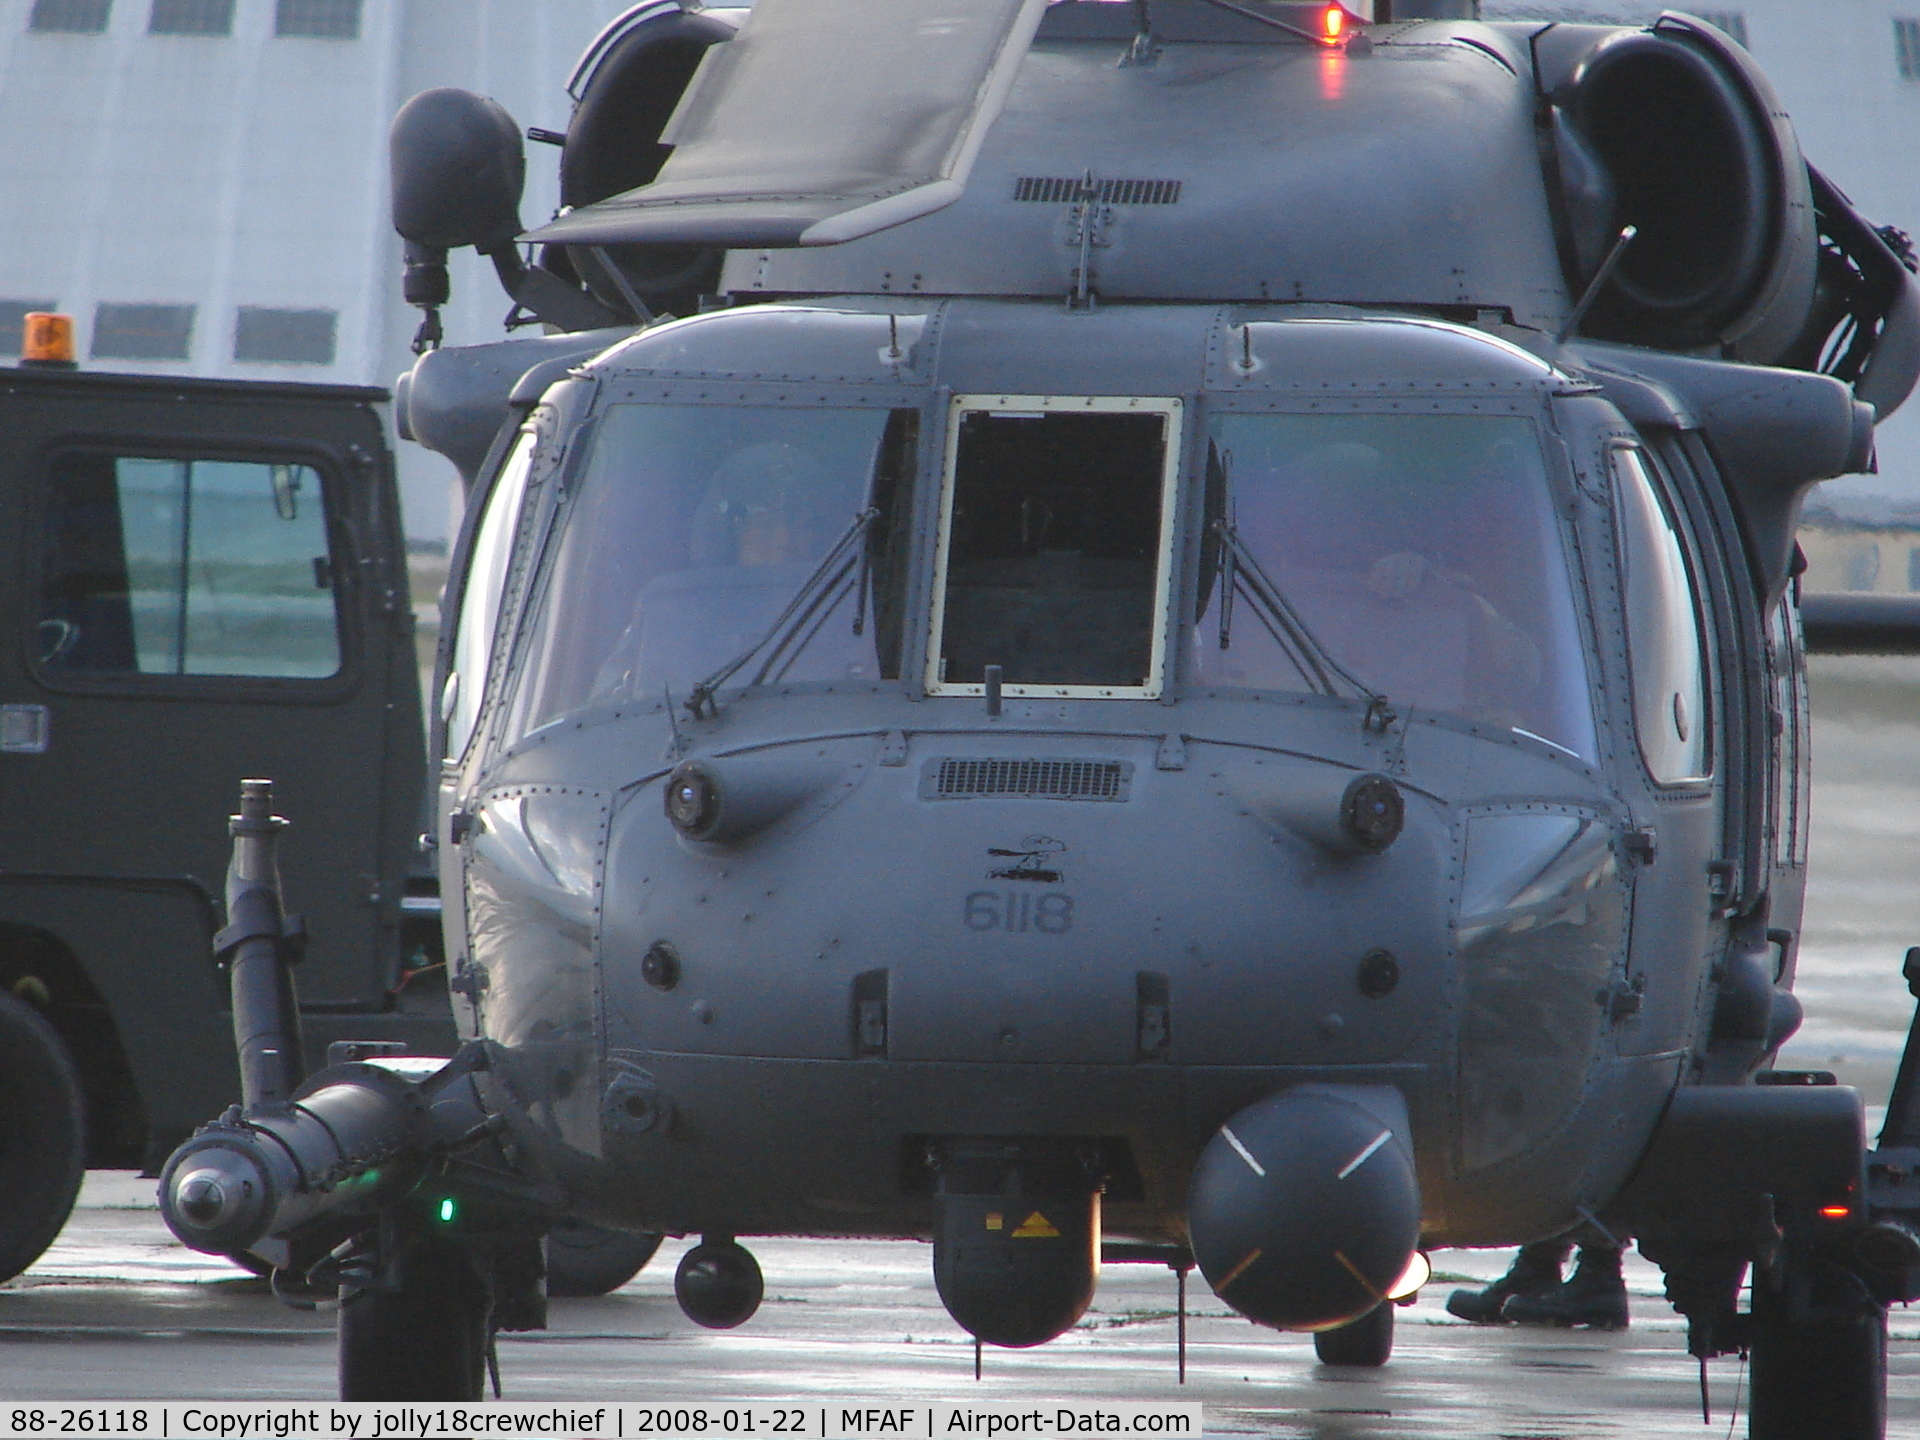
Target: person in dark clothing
1532, 1292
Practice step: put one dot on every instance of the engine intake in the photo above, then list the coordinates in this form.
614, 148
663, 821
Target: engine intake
1696, 151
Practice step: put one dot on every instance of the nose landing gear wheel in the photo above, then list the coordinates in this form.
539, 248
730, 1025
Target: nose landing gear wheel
1367, 1341
718, 1284
43, 1152
1819, 1356
424, 1339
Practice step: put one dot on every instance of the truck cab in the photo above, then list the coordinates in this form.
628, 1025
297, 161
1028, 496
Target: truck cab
204, 580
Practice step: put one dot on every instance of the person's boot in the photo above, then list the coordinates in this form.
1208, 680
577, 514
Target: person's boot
1595, 1295
1535, 1271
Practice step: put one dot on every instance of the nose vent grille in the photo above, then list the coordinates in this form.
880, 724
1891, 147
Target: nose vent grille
1060, 190
1027, 779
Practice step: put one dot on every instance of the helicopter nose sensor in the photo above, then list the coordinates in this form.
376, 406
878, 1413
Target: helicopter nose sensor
1016, 1236
219, 1196
1304, 1211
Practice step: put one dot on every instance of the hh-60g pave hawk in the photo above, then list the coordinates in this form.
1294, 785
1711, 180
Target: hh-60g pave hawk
1190, 653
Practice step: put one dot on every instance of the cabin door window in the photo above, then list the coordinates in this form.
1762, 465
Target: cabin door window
1055, 546
1664, 645
480, 598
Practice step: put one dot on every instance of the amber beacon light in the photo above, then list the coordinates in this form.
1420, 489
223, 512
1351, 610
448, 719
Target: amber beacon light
47, 340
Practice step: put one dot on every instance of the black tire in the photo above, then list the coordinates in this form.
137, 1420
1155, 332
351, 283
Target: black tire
424, 1340
587, 1259
43, 1135
1367, 1341
1819, 1357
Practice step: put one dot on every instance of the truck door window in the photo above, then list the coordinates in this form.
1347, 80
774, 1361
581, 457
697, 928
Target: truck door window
1054, 546
168, 566
1663, 629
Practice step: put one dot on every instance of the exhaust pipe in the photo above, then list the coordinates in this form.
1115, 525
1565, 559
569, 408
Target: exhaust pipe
1304, 1210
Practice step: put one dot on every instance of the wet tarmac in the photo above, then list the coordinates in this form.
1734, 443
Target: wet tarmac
116, 1310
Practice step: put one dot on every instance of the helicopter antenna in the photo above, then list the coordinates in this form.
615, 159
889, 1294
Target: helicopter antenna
1600, 278
1145, 49
1086, 215
1268, 20
673, 722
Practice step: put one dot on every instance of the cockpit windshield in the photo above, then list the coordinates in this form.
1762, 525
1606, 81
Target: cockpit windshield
1420, 551
693, 529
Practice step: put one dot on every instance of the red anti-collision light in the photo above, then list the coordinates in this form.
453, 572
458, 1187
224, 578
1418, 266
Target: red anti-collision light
1836, 1212
1335, 23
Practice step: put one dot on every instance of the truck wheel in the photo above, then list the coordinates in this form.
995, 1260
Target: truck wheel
43, 1136
425, 1339
587, 1259
1367, 1341
1819, 1355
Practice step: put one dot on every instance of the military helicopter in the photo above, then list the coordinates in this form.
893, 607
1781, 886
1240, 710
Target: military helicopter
1188, 652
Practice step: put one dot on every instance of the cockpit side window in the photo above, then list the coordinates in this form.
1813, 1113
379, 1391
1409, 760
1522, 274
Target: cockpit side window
696, 528
480, 597
1421, 554
1055, 546
1664, 644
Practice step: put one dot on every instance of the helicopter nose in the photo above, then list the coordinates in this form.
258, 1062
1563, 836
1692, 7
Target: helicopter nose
1304, 1211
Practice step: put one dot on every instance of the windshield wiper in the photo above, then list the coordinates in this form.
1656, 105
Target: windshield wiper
1241, 572
811, 604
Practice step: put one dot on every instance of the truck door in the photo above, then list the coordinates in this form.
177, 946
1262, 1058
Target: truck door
202, 581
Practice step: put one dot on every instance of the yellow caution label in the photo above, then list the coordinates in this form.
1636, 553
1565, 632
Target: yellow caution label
1036, 1227
995, 1220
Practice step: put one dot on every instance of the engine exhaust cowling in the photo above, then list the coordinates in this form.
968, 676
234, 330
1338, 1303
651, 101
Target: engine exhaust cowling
1304, 1209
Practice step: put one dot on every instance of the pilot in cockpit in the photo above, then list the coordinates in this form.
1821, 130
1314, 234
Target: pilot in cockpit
754, 512
1396, 573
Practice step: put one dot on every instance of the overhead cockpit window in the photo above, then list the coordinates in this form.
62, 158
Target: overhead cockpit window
1663, 629
699, 531
1054, 548
1419, 552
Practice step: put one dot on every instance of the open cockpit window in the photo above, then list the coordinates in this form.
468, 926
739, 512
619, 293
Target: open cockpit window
760, 543
1419, 554
1055, 546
